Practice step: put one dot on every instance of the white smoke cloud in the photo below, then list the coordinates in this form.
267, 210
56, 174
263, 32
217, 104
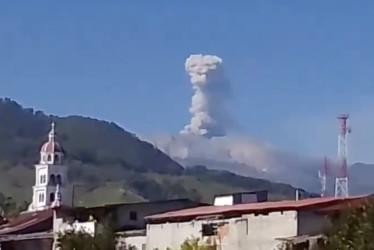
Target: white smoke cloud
211, 90
242, 156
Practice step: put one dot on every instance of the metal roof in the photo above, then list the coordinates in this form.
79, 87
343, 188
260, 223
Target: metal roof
143, 203
31, 236
250, 208
25, 220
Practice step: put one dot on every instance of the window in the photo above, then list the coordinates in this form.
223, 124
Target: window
41, 197
56, 159
49, 158
58, 180
209, 229
42, 179
53, 179
133, 215
52, 197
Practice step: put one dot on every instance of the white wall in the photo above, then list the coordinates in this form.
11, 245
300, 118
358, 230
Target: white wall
87, 227
46, 189
248, 232
224, 200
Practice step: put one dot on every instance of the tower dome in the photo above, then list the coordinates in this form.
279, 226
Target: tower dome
51, 152
51, 146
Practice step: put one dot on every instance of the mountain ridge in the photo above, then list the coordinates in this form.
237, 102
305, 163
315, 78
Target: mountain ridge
105, 161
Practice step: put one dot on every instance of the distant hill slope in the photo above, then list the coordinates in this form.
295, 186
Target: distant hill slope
107, 163
361, 178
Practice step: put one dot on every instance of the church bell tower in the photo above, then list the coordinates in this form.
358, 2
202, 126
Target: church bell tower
51, 178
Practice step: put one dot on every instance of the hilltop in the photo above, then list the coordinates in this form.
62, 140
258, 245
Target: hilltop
106, 163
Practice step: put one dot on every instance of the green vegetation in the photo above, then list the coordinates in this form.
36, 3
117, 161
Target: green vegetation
9, 208
196, 244
106, 163
81, 240
353, 230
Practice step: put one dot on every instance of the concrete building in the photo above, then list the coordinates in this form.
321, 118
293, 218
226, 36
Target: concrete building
252, 226
240, 198
126, 219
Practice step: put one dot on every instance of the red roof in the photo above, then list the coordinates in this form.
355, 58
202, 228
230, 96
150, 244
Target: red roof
25, 220
240, 209
51, 147
355, 203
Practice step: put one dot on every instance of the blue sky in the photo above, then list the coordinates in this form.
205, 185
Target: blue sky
293, 65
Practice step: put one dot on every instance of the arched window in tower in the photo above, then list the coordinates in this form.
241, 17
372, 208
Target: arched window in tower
49, 158
52, 197
58, 180
41, 197
57, 159
52, 179
42, 179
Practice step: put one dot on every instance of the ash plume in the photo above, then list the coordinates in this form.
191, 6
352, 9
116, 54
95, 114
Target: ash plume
242, 156
205, 141
211, 90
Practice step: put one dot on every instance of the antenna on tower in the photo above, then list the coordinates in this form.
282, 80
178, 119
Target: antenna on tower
322, 174
341, 181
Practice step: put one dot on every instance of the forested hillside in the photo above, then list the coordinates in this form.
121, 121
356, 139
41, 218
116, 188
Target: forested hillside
106, 163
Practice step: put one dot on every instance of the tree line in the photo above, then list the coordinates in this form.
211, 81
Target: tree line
9, 208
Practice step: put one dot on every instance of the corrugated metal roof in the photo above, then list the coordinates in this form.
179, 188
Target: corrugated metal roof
25, 220
356, 203
237, 210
